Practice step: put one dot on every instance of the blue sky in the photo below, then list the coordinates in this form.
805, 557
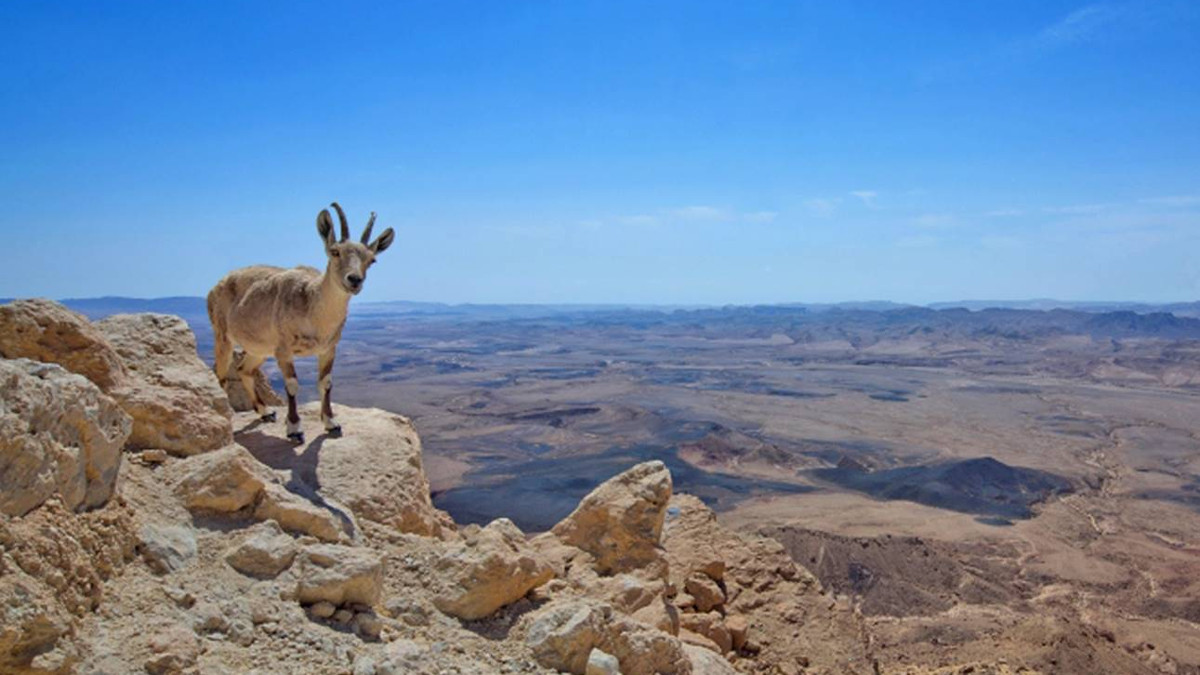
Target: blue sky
690, 152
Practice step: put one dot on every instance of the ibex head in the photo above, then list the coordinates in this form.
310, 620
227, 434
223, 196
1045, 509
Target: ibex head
349, 260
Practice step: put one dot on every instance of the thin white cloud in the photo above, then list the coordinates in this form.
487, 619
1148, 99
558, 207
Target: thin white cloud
640, 219
822, 207
934, 221
867, 197
1003, 213
1077, 209
697, 213
1081, 25
760, 217
918, 241
1174, 200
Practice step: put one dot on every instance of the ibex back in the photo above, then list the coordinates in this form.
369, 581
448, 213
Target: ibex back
285, 313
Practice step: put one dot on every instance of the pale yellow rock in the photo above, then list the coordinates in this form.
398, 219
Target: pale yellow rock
231, 480
225, 481
174, 398
645, 650
739, 629
59, 435
705, 662
620, 522
563, 634
296, 514
712, 626
706, 593
487, 570
374, 468
338, 575
44, 330
263, 552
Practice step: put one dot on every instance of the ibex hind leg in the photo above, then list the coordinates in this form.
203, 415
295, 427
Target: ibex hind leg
246, 370
222, 346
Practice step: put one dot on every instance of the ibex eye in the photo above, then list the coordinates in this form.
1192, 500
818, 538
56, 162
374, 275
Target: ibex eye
334, 252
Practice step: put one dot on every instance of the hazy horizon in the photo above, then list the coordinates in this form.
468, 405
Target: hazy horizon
678, 154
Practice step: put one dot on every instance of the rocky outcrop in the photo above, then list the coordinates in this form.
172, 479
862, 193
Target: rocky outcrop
635, 580
146, 362
175, 400
44, 330
742, 595
620, 522
490, 568
59, 435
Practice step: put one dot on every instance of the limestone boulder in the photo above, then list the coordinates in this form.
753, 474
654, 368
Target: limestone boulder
338, 575
174, 398
263, 552
706, 593
712, 626
232, 481
166, 548
620, 522
563, 634
225, 481
705, 662
375, 469
59, 435
44, 330
487, 570
645, 650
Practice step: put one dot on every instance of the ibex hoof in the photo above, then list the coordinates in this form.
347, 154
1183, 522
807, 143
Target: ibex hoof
268, 417
297, 438
334, 432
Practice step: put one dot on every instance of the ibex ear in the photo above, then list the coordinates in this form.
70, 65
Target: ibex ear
385, 240
325, 227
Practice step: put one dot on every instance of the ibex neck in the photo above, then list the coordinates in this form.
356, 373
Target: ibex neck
332, 299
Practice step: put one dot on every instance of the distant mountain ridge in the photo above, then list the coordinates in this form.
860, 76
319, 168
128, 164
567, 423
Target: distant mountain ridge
184, 305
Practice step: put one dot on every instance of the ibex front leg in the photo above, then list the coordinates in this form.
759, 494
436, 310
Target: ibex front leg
294, 433
325, 384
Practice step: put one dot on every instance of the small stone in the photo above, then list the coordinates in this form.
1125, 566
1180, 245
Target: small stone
738, 627
367, 625
601, 663
264, 553
154, 456
322, 610
343, 616
167, 548
708, 595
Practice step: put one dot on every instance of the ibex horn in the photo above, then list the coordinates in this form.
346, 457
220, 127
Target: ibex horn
342, 217
366, 238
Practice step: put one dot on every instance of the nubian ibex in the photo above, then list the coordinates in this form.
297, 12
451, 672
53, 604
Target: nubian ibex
285, 313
